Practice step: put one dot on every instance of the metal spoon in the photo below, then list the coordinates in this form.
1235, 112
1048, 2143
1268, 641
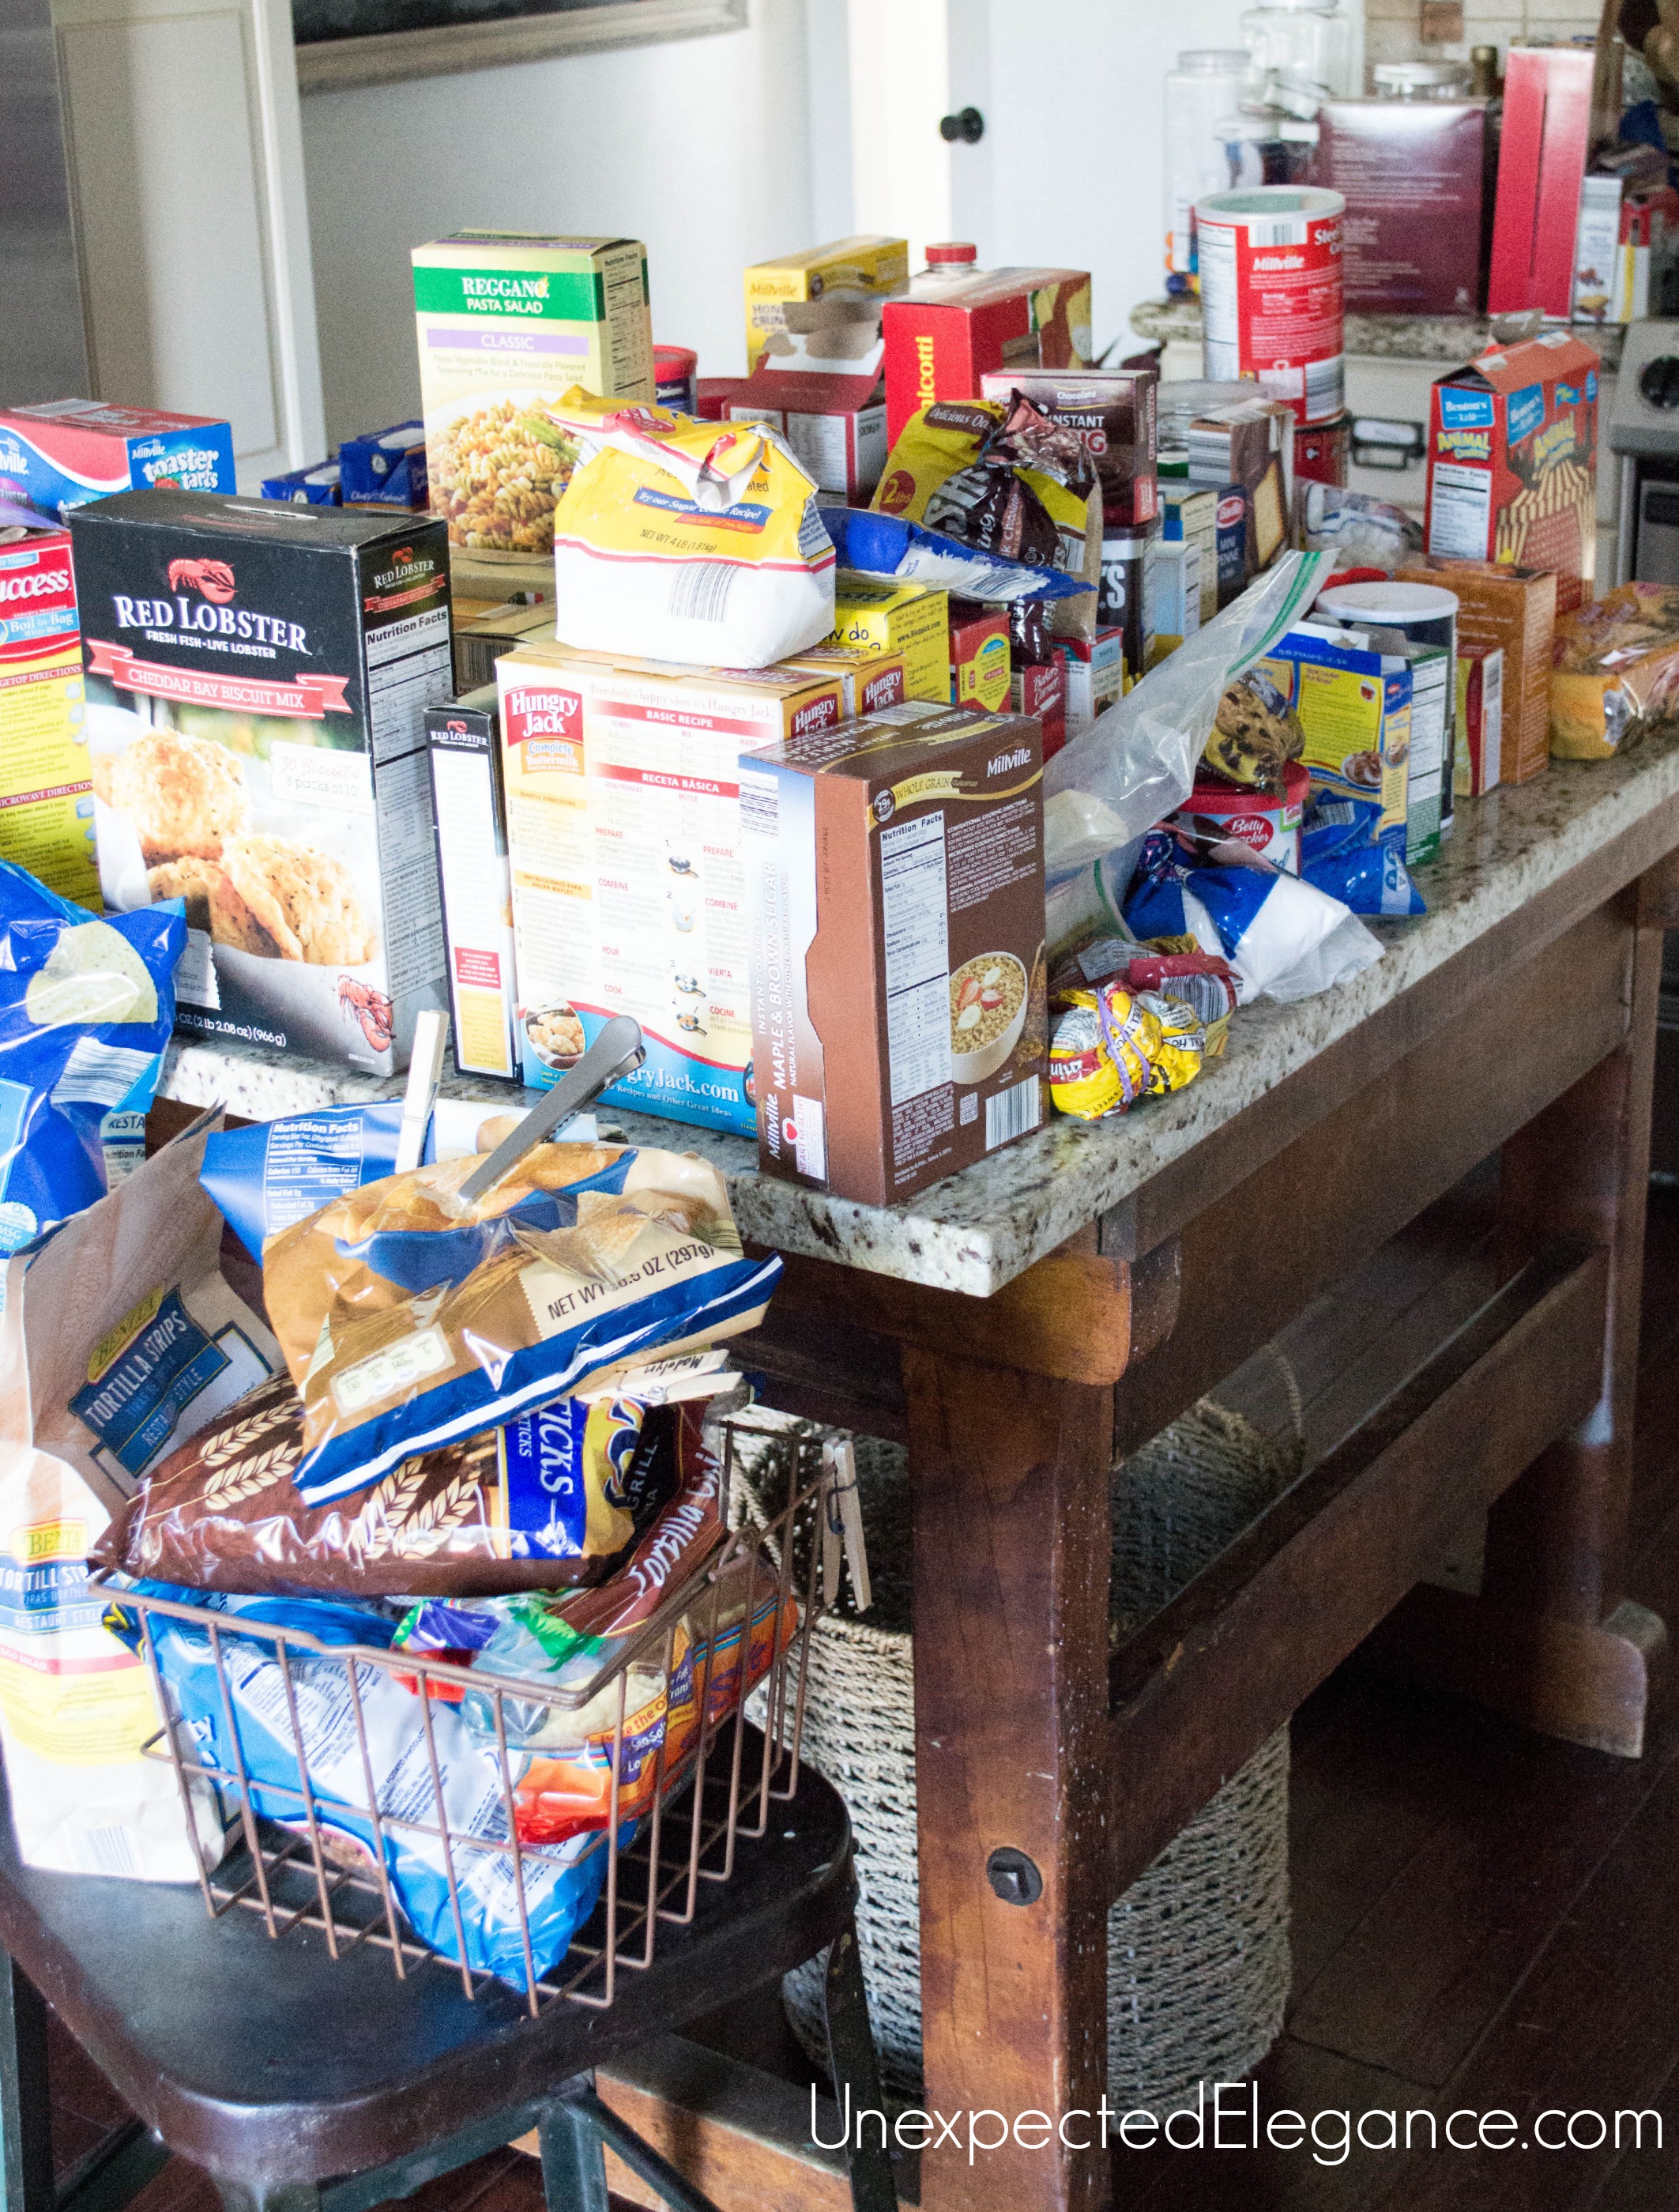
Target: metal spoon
616, 1051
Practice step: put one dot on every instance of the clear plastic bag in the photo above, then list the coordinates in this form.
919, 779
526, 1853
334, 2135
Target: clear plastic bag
1135, 764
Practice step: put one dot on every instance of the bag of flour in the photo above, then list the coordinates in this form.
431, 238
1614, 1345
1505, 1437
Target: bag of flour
690, 540
119, 1340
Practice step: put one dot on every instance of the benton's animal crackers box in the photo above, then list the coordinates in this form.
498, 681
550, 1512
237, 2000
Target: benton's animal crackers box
257, 677
895, 870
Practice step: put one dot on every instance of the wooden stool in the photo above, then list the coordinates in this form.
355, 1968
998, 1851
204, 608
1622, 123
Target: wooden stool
303, 2084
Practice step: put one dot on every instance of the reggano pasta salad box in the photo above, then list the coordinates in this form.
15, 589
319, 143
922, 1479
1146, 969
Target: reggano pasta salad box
257, 677
507, 325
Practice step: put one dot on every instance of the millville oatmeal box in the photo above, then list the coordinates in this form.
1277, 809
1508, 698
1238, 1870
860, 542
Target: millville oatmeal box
1513, 461
258, 677
508, 323
894, 871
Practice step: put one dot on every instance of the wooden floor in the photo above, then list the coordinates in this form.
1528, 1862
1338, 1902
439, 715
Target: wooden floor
1482, 1919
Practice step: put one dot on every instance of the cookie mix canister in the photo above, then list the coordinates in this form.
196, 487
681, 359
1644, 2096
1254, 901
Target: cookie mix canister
1425, 614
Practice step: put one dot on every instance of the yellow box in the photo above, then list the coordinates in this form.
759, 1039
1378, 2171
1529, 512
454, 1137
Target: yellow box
46, 807
868, 680
912, 619
870, 267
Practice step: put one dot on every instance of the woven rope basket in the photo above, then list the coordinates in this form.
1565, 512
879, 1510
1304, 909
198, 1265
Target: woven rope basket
1198, 1962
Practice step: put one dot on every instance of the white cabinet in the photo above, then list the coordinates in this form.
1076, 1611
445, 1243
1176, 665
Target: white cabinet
186, 179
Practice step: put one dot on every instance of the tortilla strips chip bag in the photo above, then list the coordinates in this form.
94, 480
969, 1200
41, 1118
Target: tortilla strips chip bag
410, 1319
687, 541
120, 1338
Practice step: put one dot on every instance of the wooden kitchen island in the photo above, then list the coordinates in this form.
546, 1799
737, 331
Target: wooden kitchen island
1019, 1324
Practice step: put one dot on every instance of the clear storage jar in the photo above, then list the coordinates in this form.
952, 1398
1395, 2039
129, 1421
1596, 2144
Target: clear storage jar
1203, 101
1300, 54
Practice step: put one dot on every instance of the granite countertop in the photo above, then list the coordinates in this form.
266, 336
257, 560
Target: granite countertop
977, 1230
1451, 339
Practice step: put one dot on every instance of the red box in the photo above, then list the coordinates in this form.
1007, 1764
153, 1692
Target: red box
835, 426
1512, 460
940, 338
980, 671
36, 595
1541, 160
1041, 689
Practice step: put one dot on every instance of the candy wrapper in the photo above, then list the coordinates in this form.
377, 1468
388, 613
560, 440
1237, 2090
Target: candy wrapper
410, 1319
1111, 1048
85, 1010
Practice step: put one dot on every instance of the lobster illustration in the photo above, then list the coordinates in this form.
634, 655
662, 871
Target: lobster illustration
213, 579
368, 1006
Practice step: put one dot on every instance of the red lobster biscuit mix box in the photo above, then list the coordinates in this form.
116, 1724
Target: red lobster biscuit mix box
940, 338
623, 832
895, 870
257, 677
1513, 461
46, 804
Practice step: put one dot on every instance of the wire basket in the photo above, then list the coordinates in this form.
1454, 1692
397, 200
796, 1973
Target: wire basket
311, 1853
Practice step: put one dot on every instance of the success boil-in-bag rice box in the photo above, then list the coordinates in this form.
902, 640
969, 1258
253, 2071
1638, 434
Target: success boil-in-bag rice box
507, 324
257, 677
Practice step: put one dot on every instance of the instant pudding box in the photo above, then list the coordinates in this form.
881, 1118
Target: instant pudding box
895, 872
508, 323
257, 677
623, 834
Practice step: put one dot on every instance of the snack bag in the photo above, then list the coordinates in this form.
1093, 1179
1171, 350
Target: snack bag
85, 1010
1002, 478
1615, 672
407, 1743
1256, 734
1285, 939
1342, 852
119, 1339
223, 1512
682, 540
410, 1319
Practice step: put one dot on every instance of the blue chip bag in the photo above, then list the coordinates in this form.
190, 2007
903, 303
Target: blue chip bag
1341, 855
561, 1881
86, 1009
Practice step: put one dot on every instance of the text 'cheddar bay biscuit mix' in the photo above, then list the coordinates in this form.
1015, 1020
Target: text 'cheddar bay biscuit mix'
258, 677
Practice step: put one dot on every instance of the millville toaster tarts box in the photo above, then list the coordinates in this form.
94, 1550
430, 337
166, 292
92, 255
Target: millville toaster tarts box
60, 453
508, 323
623, 833
1513, 461
258, 677
895, 868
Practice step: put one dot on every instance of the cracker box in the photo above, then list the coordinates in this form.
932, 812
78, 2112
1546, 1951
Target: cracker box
480, 643
1354, 707
509, 322
623, 834
1476, 760
258, 678
881, 615
385, 468
1512, 460
316, 486
1515, 608
940, 337
979, 667
46, 804
835, 426
895, 880
470, 812
60, 453
863, 271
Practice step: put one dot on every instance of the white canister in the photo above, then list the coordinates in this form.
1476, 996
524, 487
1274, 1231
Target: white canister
1424, 612
1271, 293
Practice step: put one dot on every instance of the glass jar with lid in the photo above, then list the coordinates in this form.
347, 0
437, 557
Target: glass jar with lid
1300, 54
1204, 97
1423, 80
